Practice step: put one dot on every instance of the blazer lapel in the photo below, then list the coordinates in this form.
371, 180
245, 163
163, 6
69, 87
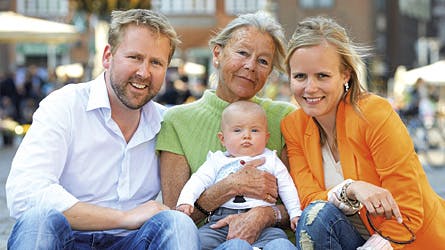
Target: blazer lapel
346, 151
312, 142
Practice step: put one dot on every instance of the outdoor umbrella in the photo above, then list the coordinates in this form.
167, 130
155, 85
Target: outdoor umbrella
18, 28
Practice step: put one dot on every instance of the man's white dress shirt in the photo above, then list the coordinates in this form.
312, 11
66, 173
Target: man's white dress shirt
74, 151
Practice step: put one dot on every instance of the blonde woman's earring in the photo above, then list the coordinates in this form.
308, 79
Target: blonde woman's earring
346, 86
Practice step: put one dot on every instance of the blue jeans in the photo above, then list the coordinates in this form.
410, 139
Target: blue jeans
238, 244
270, 238
323, 226
49, 229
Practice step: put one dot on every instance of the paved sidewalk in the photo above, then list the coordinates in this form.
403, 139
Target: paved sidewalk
6, 222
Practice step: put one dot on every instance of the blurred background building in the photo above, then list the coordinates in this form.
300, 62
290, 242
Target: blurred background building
65, 46
407, 33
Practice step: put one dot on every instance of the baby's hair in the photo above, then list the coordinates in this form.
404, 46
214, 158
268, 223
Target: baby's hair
241, 107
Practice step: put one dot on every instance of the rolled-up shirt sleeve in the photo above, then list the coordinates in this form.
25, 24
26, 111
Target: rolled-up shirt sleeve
74, 151
34, 177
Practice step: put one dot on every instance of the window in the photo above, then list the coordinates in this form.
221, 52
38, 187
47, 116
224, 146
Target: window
313, 4
5, 5
234, 7
43, 8
204, 7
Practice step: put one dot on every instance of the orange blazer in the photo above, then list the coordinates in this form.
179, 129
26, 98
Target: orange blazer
374, 146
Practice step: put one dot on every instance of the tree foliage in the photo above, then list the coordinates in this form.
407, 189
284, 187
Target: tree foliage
103, 8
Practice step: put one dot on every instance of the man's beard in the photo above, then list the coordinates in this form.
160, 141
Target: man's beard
123, 95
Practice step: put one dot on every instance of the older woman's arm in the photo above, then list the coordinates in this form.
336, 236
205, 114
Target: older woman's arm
175, 172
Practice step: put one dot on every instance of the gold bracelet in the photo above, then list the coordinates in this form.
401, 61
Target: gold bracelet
344, 197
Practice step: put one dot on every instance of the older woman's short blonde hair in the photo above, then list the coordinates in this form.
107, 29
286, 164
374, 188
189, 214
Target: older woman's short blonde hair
263, 22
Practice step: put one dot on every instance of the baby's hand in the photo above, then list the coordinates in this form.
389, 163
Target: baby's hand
294, 222
185, 208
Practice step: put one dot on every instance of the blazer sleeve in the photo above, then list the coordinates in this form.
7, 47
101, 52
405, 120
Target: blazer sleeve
397, 165
309, 183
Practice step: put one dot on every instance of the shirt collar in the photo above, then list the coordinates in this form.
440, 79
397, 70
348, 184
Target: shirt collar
98, 97
151, 116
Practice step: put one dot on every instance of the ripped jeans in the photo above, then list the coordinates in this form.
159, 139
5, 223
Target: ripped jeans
323, 226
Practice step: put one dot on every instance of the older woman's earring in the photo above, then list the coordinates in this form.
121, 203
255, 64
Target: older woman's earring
217, 63
346, 86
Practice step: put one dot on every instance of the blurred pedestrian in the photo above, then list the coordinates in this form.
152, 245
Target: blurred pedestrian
9, 89
176, 92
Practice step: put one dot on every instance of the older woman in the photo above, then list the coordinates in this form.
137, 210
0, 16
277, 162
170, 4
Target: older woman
245, 53
350, 148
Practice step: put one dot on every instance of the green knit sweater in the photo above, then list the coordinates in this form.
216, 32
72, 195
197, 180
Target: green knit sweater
191, 129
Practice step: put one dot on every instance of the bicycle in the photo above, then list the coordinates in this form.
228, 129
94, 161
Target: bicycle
428, 137
435, 155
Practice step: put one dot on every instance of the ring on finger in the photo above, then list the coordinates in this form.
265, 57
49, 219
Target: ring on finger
378, 206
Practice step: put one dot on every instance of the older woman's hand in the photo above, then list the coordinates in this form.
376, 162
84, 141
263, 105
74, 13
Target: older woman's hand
254, 183
246, 226
377, 200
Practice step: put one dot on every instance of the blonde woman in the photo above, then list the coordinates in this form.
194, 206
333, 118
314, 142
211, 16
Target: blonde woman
351, 157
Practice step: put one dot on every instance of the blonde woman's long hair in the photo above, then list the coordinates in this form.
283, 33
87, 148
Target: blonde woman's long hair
314, 31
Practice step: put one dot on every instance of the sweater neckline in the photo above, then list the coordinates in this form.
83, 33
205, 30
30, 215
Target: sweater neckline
213, 100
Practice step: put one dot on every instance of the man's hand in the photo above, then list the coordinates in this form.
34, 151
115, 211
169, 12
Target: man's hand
185, 208
136, 217
88, 217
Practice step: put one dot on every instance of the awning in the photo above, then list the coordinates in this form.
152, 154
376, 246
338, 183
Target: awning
432, 74
17, 28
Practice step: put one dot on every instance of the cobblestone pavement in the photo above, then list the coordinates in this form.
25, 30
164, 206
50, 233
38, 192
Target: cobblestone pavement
6, 222
436, 175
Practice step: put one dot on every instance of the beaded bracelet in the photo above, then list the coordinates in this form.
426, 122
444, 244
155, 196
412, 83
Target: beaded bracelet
344, 197
207, 213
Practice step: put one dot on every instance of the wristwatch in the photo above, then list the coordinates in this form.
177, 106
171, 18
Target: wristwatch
277, 214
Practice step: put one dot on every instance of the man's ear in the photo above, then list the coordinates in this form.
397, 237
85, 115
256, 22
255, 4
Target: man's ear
106, 57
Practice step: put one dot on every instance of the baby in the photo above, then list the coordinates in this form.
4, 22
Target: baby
244, 134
